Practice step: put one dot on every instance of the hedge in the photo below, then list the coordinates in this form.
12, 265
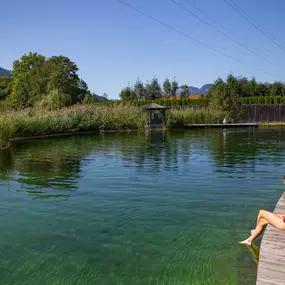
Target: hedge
163, 102
195, 102
263, 100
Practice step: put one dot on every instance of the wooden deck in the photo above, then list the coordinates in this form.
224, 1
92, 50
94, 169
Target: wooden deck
240, 125
271, 267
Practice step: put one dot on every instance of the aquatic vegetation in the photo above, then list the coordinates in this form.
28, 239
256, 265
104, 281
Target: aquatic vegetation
195, 116
85, 118
7, 130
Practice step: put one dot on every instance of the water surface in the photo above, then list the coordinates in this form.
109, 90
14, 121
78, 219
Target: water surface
136, 208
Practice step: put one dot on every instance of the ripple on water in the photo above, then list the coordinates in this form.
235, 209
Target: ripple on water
136, 209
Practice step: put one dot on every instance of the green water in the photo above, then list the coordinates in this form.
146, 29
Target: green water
136, 208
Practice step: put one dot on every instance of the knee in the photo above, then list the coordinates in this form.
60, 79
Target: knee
261, 212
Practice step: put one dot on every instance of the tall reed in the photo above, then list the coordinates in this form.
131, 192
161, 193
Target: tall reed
7, 131
82, 118
35, 122
197, 116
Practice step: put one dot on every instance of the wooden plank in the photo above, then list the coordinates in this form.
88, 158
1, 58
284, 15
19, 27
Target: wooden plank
271, 266
241, 125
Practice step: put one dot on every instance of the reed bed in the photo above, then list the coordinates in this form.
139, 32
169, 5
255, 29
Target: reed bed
84, 118
196, 116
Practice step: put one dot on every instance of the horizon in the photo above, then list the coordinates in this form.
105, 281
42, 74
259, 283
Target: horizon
113, 45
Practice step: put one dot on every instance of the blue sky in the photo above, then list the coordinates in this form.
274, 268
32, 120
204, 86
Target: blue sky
114, 45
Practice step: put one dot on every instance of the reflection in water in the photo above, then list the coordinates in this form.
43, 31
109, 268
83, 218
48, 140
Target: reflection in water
242, 149
50, 168
136, 208
45, 168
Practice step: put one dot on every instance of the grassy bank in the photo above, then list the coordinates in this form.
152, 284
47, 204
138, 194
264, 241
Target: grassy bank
84, 118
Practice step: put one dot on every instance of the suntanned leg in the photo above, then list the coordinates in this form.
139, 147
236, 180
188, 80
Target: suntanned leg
262, 222
265, 217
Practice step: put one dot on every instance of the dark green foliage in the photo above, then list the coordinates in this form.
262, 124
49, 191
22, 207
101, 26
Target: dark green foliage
139, 91
153, 90
167, 88
5, 86
127, 94
35, 77
226, 96
163, 102
150, 91
252, 88
263, 100
174, 88
230, 94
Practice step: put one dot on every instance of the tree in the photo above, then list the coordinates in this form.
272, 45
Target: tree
5, 86
63, 76
174, 88
153, 90
27, 79
252, 85
276, 89
127, 94
185, 93
54, 100
226, 96
82, 90
167, 88
263, 89
139, 90
26, 63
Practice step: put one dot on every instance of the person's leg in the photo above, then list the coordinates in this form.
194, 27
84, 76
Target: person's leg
260, 222
265, 217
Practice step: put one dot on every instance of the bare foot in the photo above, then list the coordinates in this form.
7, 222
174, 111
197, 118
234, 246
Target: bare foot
246, 242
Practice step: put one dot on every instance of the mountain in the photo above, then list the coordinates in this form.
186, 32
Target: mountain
99, 98
5, 72
198, 91
203, 90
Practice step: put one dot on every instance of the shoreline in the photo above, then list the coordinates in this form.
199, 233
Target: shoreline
65, 135
261, 125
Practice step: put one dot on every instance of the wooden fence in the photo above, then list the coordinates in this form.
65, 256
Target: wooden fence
264, 113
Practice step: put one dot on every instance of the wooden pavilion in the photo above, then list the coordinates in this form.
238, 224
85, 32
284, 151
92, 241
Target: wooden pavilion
156, 115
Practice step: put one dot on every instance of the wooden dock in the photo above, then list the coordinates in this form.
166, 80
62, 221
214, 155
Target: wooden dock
271, 266
239, 125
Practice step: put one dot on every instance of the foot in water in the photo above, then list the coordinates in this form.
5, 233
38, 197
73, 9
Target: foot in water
246, 242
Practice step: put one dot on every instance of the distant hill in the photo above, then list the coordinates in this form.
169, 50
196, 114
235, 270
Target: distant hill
198, 91
5, 72
99, 98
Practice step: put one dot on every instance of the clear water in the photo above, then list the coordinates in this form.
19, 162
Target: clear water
136, 208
